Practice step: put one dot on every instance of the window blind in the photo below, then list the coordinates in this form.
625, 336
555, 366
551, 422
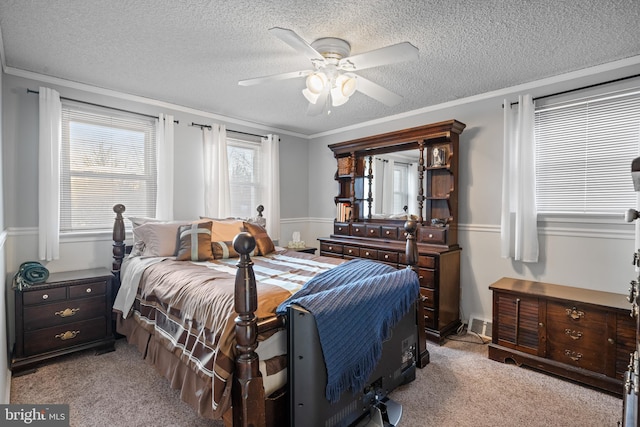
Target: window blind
244, 177
584, 151
107, 157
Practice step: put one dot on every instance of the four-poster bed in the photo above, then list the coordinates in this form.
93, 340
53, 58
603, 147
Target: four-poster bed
178, 342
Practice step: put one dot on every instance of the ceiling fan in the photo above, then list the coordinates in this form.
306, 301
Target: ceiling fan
332, 80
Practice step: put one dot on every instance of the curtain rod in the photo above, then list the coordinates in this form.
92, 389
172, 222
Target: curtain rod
580, 88
98, 105
228, 130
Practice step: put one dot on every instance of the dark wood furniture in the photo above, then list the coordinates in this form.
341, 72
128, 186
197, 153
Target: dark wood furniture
360, 233
70, 312
250, 407
580, 334
305, 250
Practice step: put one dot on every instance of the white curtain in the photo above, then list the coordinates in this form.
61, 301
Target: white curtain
217, 192
412, 189
519, 229
271, 183
50, 137
164, 146
387, 187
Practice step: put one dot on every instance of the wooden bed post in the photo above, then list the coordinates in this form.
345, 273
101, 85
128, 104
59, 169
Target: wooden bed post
411, 251
248, 398
118, 242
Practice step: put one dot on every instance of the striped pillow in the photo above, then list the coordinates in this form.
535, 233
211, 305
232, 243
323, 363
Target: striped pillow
194, 242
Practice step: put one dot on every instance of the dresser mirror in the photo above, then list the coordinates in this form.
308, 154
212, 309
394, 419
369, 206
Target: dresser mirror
394, 184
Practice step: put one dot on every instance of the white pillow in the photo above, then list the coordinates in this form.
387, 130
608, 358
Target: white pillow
158, 238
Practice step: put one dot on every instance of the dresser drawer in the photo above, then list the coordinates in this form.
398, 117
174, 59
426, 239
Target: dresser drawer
87, 289
432, 235
368, 253
64, 312
387, 256
389, 232
331, 247
44, 296
57, 337
427, 261
428, 297
561, 315
373, 231
359, 230
429, 318
427, 278
351, 251
341, 228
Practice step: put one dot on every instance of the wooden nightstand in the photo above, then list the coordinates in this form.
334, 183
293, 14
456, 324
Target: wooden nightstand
70, 312
305, 250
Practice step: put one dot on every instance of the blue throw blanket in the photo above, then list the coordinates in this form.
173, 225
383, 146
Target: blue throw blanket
355, 305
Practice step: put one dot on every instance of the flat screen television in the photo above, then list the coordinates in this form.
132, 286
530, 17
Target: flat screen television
308, 406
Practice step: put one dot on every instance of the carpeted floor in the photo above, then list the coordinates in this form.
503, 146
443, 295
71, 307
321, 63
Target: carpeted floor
460, 387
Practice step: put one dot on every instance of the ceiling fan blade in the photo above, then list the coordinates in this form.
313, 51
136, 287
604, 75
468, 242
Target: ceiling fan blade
291, 38
377, 92
319, 106
274, 77
400, 52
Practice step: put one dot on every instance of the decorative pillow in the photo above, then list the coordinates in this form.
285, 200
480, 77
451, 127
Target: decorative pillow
264, 244
159, 238
224, 230
223, 250
195, 242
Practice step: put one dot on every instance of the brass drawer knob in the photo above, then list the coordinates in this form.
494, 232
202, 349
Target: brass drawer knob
67, 312
68, 335
573, 355
575, 335
574, 313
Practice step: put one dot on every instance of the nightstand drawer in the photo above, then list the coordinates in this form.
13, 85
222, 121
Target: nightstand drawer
60, 313
428, 297
387, 256
57, 337
87, 289
44, 296
427, 278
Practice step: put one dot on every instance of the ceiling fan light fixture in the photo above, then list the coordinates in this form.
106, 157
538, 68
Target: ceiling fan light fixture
316, 82
347, 85
311, 97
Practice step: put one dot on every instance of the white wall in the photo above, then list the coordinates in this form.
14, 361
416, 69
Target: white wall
594, 254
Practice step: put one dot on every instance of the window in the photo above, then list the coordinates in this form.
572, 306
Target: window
107, 157
244, 177
400, 186
584, 151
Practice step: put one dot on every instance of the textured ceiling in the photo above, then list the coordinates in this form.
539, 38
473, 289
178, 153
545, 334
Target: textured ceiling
192, 53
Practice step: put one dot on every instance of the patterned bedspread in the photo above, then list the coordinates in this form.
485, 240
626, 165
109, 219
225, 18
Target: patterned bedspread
188, 306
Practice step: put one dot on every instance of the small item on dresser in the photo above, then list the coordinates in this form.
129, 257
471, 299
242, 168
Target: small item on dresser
296, 243
439, 222
30, 273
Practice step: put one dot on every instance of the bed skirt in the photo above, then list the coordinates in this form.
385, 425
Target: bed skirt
194, 390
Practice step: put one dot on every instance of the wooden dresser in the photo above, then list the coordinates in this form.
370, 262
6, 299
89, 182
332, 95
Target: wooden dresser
580, 334
368, 227
71, 311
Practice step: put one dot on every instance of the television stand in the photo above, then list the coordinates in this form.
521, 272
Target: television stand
386, 413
